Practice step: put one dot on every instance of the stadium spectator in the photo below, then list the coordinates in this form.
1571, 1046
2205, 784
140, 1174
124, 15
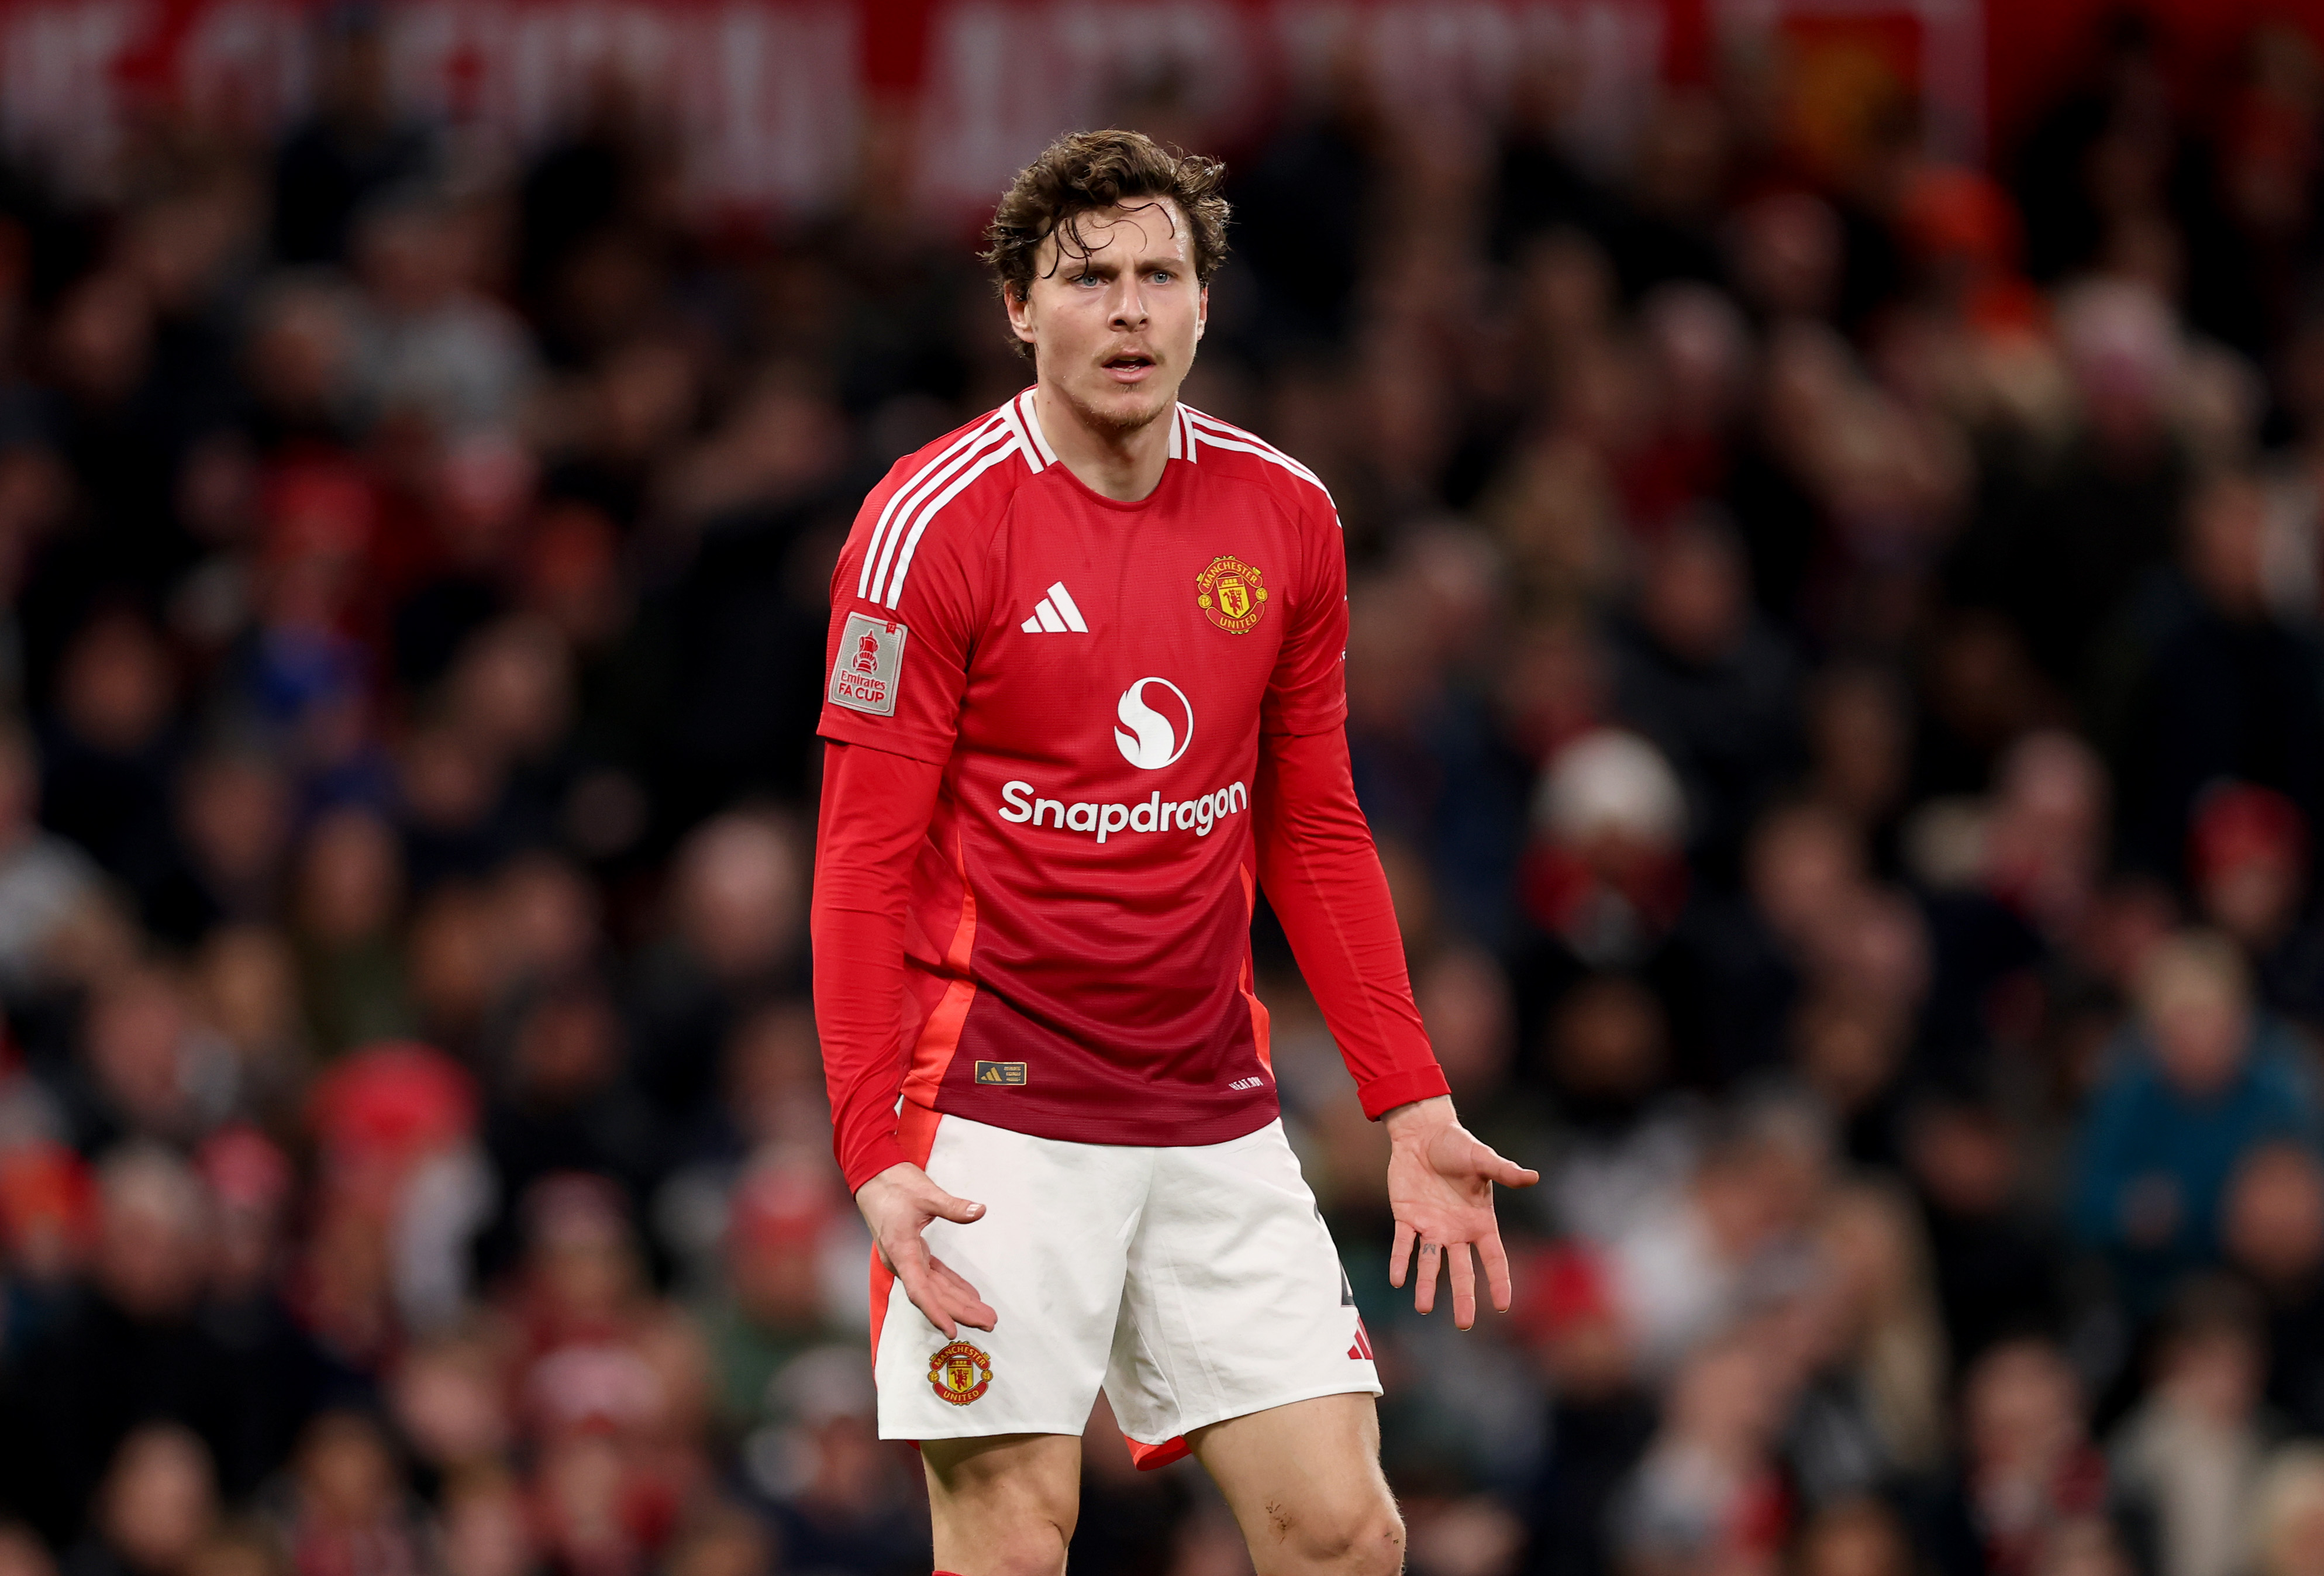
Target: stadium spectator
2186, 1465
2195, 1083
2272, 1225
156, 1504
2031, 1484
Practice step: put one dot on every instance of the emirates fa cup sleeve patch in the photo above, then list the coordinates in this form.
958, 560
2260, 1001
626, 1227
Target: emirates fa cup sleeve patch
871, 661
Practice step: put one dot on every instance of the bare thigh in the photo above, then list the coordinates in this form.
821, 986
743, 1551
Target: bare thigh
1005, 1506
1304, 1484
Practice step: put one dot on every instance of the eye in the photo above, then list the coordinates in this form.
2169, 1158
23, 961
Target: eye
1087, 278
1162, 276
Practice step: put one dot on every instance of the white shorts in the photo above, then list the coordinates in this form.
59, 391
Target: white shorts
1194, 1284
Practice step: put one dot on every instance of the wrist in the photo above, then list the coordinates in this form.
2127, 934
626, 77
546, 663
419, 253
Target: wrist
1418, 1116
879, 1182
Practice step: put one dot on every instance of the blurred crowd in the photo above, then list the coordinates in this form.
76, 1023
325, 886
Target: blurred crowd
1836, 677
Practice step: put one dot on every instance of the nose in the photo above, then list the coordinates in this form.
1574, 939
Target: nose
1129, 303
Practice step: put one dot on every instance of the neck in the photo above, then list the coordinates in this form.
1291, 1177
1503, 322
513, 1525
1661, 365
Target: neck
1125, 465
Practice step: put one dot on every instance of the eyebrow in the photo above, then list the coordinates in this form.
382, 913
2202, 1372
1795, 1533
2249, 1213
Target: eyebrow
1077, 255
1095, 262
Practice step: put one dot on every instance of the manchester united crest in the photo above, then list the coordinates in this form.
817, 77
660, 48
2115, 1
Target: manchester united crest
1231, 595
960, 1373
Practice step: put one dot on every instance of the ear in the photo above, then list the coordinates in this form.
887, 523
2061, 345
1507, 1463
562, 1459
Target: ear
1020, 313
1202, 310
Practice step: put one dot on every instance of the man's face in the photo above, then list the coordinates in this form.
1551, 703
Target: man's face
1114, 311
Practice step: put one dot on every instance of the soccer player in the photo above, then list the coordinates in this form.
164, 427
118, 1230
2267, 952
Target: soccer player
1086, 699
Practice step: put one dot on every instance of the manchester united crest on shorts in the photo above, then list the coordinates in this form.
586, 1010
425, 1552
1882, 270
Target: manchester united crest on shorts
960, 1373
1231, 595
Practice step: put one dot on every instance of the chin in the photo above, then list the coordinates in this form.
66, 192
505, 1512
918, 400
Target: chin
1127, 409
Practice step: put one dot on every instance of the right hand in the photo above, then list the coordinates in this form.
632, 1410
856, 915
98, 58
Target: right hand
898, 1205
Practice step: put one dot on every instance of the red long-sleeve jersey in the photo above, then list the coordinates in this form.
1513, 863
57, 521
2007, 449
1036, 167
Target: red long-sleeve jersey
1073, 737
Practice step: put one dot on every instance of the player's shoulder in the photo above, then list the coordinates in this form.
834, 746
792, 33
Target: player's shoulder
940, 496
1220, 447
987, 454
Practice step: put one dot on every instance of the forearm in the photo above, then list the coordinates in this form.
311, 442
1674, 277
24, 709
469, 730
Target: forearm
875, 812
1323, 878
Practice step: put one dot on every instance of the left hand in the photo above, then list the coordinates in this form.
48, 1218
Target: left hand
1439, 1184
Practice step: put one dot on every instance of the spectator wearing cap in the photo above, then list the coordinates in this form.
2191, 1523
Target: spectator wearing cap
1607, 876
2247, 862
47, 1220
2197, 1079
401, 1191
1603, 881
1601, 1417
772, 1304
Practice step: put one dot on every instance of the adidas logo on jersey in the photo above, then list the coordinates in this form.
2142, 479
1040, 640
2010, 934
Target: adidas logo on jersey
1056, 615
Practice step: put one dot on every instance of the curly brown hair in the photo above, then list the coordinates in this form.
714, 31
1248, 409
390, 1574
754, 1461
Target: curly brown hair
1083, 171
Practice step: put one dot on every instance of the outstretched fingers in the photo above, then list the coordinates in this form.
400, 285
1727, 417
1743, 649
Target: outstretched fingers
960, 1297
1464, 1287
1423, 1289
940, 1293
919, 1285
1400, 1256
1497, 1270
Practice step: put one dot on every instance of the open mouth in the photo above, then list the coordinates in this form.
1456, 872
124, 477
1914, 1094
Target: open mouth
1130, 366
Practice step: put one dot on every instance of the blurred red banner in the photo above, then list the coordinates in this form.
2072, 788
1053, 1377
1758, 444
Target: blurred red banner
777, 104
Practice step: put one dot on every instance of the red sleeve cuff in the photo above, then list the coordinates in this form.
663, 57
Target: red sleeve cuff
1383, 1093
876, 1156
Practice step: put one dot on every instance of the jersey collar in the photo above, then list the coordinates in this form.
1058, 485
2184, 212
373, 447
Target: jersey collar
1021, 415
1026, 422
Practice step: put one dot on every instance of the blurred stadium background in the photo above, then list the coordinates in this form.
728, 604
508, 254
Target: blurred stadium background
1835, 492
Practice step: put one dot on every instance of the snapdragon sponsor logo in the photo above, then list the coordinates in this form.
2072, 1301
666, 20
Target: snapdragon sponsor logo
1150, 740
1157, 814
